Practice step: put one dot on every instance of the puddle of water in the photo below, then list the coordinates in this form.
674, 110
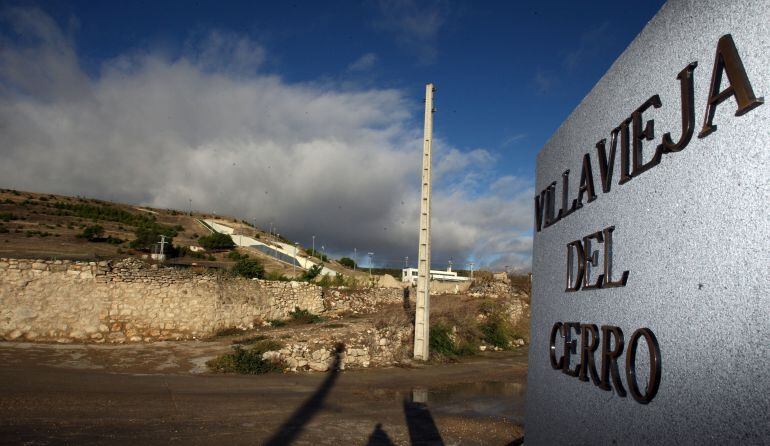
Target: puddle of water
478, 400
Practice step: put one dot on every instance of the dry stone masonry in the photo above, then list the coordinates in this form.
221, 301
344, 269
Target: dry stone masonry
130, 301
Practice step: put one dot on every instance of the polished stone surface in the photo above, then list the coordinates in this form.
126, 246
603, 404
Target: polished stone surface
693, 232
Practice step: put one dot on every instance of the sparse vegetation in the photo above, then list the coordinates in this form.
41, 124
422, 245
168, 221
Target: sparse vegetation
250, 340
461, 328
247, 360
317, 255
304, 316
277, 276
228, 331
38, 233
338, 280
7, 216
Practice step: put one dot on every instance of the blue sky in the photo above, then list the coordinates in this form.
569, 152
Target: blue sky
507, 74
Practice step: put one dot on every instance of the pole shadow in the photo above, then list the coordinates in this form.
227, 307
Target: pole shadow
422, 428
297, 421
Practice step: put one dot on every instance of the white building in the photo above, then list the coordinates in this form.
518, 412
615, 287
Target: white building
410, 275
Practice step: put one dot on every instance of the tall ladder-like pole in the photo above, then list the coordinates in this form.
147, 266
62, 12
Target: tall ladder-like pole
422, 313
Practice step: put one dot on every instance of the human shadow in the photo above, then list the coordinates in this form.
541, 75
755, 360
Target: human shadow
297, 421
379, 437
422, 428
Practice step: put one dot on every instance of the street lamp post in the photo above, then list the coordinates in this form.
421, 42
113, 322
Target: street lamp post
406, 262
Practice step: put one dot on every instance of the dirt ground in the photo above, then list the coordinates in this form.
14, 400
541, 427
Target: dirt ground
162, 394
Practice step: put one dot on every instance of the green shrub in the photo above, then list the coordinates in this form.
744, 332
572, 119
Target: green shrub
441, 342
216, 241
211, 258
235, 256
7, 216
249, 268
92, 232
276, 323
314, 271
444, 344
304, 316
348, 262
498, 331
3, 229
246, 361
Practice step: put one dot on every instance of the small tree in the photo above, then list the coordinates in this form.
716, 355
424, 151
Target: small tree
92, 233
347, 262
216, 241
249, 268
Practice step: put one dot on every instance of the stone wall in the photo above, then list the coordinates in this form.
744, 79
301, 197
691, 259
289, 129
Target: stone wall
370, 347
361, 301
131, 301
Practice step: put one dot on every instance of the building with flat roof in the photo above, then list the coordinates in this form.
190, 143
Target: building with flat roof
409, 275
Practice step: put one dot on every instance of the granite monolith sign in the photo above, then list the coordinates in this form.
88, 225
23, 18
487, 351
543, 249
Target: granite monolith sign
650, 301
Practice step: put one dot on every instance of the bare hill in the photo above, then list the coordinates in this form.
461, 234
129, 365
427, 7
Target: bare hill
37, 225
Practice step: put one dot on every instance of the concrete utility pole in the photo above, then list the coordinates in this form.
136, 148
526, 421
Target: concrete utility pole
472, 269
355, 258
406, 262
371, 255
422, 313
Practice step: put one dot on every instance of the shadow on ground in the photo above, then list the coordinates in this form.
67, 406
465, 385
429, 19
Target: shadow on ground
420, 423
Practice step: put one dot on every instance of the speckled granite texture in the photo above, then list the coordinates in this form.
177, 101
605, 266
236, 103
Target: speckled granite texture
693, 232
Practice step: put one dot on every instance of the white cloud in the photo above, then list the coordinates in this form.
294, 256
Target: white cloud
414, 25
225, 51
513, 139
340, 164
364, 63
